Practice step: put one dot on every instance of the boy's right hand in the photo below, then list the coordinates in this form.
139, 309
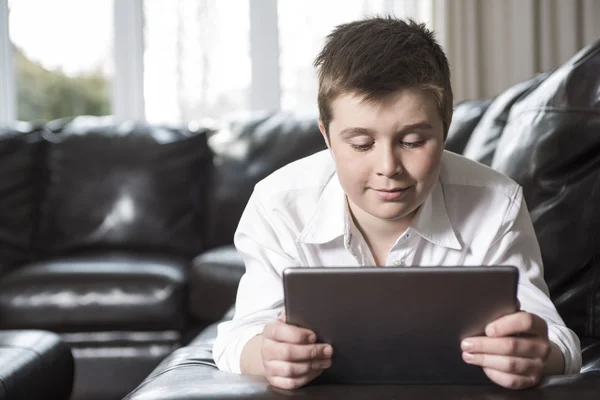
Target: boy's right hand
290, 356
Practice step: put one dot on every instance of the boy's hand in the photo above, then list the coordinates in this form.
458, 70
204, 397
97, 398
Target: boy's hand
514, 352
290, 356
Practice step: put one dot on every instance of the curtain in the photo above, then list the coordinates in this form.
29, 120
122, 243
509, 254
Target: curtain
492, 45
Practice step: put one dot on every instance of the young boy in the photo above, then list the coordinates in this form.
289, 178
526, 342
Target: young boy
386, 193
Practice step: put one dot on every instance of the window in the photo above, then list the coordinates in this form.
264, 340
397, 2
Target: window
196, 59
178, 61
303, 26
62, 57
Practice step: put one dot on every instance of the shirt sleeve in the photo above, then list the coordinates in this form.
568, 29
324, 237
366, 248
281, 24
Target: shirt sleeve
517, 245
260, 240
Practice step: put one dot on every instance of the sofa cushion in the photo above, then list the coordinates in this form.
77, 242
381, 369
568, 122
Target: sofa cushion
487, 133
214, 279
34, 365
126, 186
95, 293
551, 146
248, 148
19, 159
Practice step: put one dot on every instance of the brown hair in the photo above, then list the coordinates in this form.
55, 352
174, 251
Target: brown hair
378, 56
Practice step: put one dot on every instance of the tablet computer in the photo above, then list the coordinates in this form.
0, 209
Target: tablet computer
399, 325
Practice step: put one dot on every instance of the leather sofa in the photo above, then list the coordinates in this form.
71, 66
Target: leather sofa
101, 225
98, 225
544, 133
34, 365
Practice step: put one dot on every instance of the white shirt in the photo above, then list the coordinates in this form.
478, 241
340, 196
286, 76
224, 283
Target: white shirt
298, 216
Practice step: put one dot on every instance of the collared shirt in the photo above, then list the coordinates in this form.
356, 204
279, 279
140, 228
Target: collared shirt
298, 216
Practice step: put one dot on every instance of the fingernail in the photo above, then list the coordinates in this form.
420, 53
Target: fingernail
326, 364
468, 357
466, 345
312, 338
328, 351
490, 331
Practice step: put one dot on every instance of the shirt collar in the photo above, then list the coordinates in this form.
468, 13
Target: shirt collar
331, 218
432, 222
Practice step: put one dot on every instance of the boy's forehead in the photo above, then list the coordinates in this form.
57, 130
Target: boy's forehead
350, 103
412, 107
374, 99
353, 104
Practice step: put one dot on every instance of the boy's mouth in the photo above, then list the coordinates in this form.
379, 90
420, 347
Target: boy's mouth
392, 193
391, 190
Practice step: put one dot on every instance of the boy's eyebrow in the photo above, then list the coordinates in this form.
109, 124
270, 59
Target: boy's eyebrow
356, 131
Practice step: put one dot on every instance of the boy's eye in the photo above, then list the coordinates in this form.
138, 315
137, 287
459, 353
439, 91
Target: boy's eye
412, 145
361, 147
408, 145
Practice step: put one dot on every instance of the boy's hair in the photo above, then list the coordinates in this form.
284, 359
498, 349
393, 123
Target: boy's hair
375, 57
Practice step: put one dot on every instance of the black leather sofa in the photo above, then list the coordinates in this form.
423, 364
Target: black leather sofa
101, 226
98, 225
544, 133
34, 365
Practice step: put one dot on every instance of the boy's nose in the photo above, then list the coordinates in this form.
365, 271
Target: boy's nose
389, 164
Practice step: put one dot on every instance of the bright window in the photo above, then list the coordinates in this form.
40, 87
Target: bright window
303, 26
196, 59
196, 55
62, 57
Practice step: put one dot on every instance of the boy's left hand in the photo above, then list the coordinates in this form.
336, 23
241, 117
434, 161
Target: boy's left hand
514, 351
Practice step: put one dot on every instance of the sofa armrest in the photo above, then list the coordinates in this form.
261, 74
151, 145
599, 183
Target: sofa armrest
191, 374
214, 279
34, 365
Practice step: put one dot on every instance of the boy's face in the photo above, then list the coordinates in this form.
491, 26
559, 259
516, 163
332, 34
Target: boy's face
387, 154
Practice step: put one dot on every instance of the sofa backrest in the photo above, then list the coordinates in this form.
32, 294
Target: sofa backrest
551, 146
20, 148
132, 186
248, 148
89, 184
465, 117
545, 134
486, 134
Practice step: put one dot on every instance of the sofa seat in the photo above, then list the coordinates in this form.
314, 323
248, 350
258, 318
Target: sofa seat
95, 292
34, 365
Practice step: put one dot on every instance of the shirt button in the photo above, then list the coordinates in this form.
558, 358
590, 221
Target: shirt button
398, 263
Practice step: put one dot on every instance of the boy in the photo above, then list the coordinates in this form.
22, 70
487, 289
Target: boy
386, 193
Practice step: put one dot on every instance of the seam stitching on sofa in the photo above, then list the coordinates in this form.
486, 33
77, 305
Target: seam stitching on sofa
595, 287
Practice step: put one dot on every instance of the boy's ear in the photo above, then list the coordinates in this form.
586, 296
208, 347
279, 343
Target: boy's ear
324, 133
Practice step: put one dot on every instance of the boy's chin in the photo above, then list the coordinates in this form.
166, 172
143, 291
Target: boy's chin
392, 213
